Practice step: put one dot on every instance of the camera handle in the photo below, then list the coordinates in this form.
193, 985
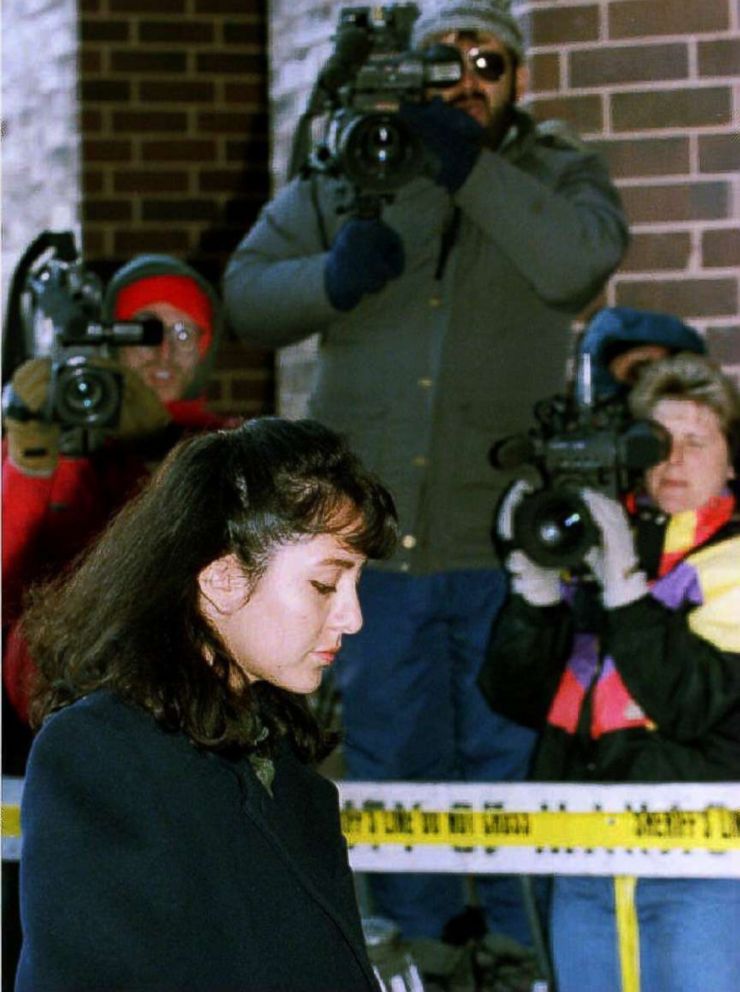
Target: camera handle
15, 350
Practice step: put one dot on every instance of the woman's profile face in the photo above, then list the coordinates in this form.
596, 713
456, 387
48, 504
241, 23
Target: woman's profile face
291, 626
698, 466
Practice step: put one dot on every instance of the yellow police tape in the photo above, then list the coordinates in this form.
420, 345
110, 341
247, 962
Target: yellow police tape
10, 820
715, 828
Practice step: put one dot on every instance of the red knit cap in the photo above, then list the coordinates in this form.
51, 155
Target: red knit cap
180, 291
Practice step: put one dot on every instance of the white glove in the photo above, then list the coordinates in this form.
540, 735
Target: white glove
539, 586
614, 563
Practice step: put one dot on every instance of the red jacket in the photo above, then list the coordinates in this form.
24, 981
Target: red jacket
47, 522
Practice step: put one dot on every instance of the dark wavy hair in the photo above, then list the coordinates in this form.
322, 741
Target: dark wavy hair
127, 618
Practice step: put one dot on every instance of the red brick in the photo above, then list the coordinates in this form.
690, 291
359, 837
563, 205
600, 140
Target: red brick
222, 239
104, 91
93, 181
724, 344
720, 57
143, 181
106, 151
90, 120
646, 157
106, 210
179, 210
157, 239
605, 66
642, 18
685, 297
145, 6
719, 153
676, 202
183, 91
94, 241
233, 354
256, 179
683, 108
225, 122
239, 7
185, 150
149, 120
245, 33
583, 112
252, 93
657, 252
567, 24
253, 149
226, 63
89, 62
721, 248
138, 61
255, 390
98, 30
243, 209
179, 32
544, 71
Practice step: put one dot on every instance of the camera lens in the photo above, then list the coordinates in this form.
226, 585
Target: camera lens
86, 396
554, 528
379, 153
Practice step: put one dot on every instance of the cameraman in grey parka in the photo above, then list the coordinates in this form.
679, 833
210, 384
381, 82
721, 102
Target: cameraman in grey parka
440, 324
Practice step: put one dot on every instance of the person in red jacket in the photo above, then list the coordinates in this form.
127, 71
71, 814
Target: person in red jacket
53, 503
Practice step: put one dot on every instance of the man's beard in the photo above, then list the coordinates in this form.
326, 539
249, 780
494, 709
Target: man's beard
502, 117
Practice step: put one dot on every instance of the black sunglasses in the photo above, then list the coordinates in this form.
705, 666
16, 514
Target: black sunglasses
486, 63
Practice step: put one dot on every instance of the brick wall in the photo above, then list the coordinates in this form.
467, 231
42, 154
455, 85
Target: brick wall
655, 87
175, 145
173, 140
654, 84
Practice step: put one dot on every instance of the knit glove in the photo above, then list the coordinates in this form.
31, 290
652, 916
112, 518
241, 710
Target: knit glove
614, 563
33, 443
142, 411
453, 137
366, 253
539, 586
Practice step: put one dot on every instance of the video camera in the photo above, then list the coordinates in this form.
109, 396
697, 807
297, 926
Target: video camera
576, 444
61, 313
362, 86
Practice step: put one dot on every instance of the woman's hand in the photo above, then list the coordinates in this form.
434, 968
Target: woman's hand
614, 562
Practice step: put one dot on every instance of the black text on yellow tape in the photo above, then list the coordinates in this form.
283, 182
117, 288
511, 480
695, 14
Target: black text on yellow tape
715, 828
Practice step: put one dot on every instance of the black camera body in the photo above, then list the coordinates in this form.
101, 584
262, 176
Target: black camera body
62, 312
577, 444
372, 72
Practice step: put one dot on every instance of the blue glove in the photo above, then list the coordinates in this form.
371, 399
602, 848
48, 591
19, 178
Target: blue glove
453, 137
364, 256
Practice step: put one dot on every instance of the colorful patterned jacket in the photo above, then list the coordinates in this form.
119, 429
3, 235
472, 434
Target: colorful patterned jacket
647, 692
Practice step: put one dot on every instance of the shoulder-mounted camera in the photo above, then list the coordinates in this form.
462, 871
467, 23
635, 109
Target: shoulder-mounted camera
360, 90
60, 310
576, 444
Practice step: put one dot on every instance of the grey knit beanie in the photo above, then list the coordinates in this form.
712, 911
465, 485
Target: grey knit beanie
492, 16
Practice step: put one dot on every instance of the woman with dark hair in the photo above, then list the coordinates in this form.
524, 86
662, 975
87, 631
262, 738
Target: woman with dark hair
633, 675
175, 834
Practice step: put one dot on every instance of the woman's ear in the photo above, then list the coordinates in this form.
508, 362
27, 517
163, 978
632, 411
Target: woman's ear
223, 585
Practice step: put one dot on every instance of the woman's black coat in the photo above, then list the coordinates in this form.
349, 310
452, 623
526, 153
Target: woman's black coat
150, 864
